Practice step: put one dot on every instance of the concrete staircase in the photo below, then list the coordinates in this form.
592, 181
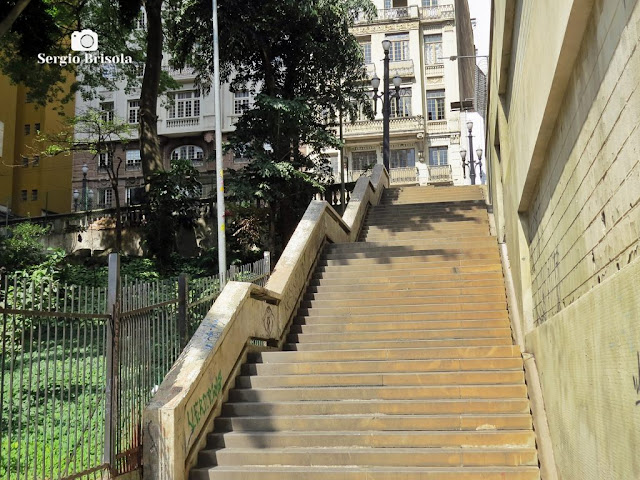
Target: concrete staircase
400, 363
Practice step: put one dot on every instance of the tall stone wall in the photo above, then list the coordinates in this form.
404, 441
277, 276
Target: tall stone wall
565, 180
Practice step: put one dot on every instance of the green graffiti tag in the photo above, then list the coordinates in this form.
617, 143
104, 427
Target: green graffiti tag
202, 405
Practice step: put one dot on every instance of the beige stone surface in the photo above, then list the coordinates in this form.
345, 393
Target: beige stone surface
176, 421
589, 366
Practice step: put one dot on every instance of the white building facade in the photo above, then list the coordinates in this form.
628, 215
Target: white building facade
425, 133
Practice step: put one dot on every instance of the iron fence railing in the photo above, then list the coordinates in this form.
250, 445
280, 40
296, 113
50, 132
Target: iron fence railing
403, 175
78, 365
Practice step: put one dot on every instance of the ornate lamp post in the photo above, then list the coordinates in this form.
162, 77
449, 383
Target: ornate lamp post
90, 202
471, 164
386, 101
85, 200
76, 196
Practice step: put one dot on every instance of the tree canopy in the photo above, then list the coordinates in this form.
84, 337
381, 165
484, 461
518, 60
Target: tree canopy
303, 65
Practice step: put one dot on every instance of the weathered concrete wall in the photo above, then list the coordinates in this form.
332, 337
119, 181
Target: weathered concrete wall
564, 149
179, 416
589, 362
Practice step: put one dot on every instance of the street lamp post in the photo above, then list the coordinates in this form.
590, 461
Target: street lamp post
76, 196
90, 202
471, 164
85, 200
386, 101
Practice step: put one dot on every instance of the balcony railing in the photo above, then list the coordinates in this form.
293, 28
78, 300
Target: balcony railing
437, 126
402, 68
440, 174
186, 73
436, 70
441, 12
183, 122
391, 14
404, 124
403, 175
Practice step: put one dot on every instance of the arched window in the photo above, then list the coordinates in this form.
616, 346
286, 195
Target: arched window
189, 152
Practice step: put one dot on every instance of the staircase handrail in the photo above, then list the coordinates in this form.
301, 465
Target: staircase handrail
181, 413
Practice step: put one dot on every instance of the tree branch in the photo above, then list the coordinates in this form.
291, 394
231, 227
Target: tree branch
7, 22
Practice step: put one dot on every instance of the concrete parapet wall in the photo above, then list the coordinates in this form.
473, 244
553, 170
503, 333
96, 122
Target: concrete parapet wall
181, 413
589, 363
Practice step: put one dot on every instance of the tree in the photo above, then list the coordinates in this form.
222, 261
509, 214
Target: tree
92, 133
45, 27
300, 59
171, 203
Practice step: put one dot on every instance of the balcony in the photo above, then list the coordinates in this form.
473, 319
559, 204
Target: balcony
391, 15
371, 69
186, 73
404, 124
437, 14
436, 70
437, 126
397, 175
440, 174
402, 68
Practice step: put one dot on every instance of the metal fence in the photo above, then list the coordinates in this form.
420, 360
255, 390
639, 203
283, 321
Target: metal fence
79, 364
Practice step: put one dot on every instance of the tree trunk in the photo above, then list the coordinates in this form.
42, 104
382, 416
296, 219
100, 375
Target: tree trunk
151, 156
7, 22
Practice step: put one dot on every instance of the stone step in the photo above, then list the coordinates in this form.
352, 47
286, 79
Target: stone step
365, 473
510, 421
382, 366
452, 272
400, 457
394, 309
398, 439
339, 267
467, 242
377, 331
317, 293
434, 208
409, 237
400, 300
494, 280
396, 317
441, 257
489, 377
390, 354
421, 225
482, 242
376, 407
386, 393
383, 344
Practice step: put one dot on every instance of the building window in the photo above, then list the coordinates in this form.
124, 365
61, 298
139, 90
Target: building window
134, 195
438, 156
403, 158
433, 49
23, 195
134, 111
394, 3
36, 127
141, 20
25, 161
189, 152
401, 107
399, 49
36, 160
435, 105
133, 161
241, 101
106, 109
184, 104
27, 129
387, 4
34, 195
363, 160
366, 51
105, 197
105, 160
429, 3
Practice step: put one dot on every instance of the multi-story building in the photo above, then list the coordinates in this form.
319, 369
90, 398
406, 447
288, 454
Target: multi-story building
31, 184
186, 123
427, 37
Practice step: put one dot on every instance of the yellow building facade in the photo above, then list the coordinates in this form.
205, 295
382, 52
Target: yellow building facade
31, 184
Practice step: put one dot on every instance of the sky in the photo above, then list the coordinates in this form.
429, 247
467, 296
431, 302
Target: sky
481, 11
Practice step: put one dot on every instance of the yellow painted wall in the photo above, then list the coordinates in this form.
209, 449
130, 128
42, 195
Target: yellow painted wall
565, 180
51, 178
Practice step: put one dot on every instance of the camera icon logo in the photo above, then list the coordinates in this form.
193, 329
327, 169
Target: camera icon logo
84, 41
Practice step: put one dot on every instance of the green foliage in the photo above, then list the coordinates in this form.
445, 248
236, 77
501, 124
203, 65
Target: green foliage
21, 247
305, 66
171, 204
